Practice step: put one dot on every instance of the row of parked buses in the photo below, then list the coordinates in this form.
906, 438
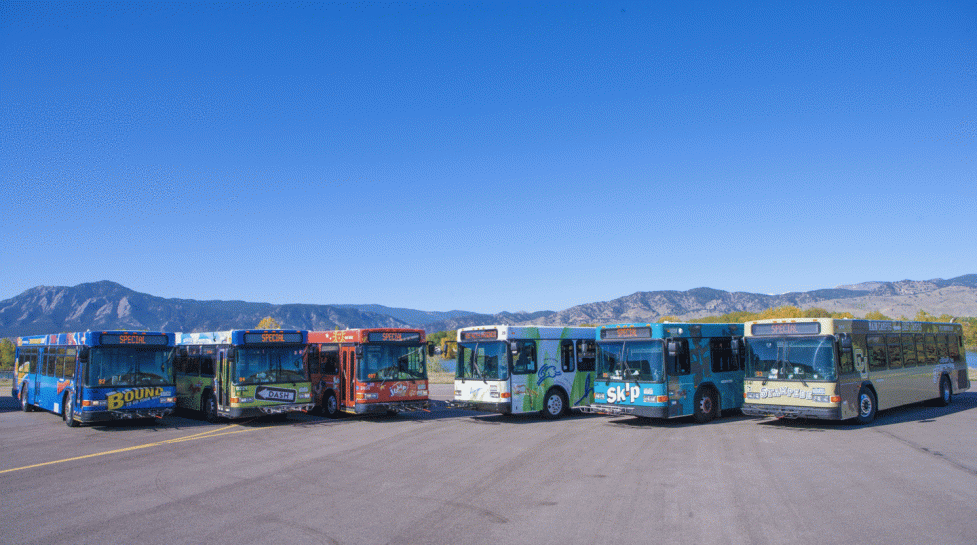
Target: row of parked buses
823, 368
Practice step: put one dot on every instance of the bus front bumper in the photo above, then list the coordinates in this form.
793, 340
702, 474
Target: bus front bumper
626, 410
392, 407
88, 417
501, 407
789, 411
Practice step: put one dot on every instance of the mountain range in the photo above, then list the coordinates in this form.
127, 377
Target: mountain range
107, 305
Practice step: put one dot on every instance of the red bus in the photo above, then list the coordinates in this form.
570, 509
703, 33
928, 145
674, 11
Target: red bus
368, 371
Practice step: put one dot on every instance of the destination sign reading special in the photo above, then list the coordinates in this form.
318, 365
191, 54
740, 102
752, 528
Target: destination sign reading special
481, 335
272, 337
626, 333
134, 338
397, 337
803, 328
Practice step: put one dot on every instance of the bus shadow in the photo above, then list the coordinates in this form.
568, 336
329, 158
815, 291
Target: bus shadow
923, 412
673, 423
9, 404
526, 418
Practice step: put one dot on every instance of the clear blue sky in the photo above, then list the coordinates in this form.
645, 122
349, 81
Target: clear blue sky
485, 156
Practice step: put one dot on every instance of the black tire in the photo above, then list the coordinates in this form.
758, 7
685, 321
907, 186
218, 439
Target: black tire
706, 405
330, 405
554, 404
68, 411
24, 405
209, 408
867, 406
946, 392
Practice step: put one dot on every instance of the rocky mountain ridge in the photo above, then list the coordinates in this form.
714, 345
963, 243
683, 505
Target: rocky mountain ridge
108, 305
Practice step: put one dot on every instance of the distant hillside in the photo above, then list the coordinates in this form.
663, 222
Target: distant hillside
957, 297
410, 316
107, 305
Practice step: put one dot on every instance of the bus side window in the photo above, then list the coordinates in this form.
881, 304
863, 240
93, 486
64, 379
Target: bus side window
49, 361
524, 357
942, 351
71, 357
954, 345
567, 361
59, 363
721, 354
207, 356
846, 362
193, 360
930, 342
908, 350
876, 352
586, 355
180, 360
678, 357
329, 360
894, 351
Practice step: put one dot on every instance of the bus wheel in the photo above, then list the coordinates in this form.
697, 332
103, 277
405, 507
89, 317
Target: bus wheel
210, 408
330, 406
946, 392
555, 404
866, 406
69, 411
706, 407
24, 405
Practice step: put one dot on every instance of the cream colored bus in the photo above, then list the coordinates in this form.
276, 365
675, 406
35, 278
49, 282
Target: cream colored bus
839, 369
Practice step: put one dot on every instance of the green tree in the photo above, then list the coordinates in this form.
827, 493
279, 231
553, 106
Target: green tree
876, 315
6, 354
268, 323
669, 318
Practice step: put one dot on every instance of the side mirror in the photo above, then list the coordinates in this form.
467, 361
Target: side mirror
673, 349
430, 348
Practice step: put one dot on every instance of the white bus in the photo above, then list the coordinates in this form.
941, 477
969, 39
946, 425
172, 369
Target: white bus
525, 369
839, 369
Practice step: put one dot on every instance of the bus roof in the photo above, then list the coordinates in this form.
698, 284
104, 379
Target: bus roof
85, 338
359, 334
830, 326
538, 332
244, 336
675, 329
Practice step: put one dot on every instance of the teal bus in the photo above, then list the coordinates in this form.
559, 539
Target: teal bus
96, 376
668, 370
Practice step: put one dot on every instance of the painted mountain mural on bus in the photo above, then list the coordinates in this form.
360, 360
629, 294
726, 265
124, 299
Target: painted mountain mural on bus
108, 305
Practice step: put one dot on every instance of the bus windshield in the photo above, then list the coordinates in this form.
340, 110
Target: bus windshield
482, 361
631, 360
392, 362
267, 365
791, 358
130, 366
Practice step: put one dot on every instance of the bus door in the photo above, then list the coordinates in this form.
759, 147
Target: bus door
681, 383
347, 374
525, 386
224, 379
851, 363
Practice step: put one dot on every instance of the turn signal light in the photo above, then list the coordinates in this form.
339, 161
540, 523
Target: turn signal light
662, 399
836, 399
505, 395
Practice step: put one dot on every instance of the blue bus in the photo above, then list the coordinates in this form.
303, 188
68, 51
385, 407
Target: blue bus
669, 370
96, 376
